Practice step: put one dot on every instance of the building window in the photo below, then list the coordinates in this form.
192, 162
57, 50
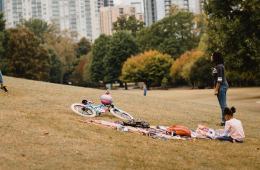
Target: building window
121, 11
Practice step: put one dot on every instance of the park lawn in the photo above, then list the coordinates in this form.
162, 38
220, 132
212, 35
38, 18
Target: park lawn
39, 131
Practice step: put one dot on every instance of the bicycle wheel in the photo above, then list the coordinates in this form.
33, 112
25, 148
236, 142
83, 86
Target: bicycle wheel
81, 110
120, 113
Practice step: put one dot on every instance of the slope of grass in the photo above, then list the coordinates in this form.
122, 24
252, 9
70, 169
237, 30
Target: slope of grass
39, 131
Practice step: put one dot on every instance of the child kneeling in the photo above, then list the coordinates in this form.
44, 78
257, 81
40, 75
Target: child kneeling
233, 131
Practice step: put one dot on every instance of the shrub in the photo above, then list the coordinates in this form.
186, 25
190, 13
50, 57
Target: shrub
150, 67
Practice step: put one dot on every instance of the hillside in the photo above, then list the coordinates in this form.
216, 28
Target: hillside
39, 131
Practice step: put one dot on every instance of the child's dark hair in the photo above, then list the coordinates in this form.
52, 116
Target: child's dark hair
229, 111
217, 58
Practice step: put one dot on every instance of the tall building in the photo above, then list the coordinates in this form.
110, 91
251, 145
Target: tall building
108, 3
155, 10
80, 17
1, 5
109, 15
150, 11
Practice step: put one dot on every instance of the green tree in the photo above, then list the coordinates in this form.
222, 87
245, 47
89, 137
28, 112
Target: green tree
100, 49
151, 67
55, 67
233, 29
83, 47
25, 56
121, 47
128, 23
64, 48
2, 34
39, 27
172, 35
200, 73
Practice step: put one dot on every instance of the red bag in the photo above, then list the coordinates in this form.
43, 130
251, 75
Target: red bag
179, 130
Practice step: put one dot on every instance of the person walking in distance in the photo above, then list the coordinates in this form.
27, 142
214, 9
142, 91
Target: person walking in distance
2, 83
145, 89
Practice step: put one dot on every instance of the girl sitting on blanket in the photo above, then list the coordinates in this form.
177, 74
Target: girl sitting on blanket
233, 131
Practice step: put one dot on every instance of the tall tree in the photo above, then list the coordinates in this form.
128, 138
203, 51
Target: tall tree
233, 29
39, 27
128, 23
2, 29
64, 48
172, 35
99, 51
122, 46
25, 56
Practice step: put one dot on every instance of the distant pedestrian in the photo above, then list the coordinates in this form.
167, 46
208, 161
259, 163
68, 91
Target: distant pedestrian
145, 89
220, 82
2, 82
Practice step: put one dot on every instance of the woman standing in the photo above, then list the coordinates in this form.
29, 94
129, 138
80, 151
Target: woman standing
220, 82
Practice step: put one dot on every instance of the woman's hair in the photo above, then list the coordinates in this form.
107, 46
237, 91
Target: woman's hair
217, 58
229, 111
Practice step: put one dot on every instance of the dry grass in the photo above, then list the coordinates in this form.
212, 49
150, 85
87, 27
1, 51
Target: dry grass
38, 130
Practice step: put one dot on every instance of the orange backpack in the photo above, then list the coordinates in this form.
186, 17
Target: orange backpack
179, 130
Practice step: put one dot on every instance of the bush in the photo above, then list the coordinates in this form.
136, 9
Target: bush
180, 70
150, 67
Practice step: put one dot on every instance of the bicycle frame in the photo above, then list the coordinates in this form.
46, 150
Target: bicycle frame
99, 108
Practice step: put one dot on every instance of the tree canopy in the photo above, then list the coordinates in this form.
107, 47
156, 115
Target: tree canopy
233, 30
24, 56
121, 47
150, 67
172, 35
128, 23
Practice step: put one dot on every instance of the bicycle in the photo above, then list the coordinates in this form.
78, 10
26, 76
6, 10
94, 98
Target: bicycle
89, 109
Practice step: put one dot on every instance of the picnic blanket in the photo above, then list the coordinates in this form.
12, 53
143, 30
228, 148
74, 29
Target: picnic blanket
159, 132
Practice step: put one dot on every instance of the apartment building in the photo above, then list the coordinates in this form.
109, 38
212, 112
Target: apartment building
80, 17
109, 15
155, 10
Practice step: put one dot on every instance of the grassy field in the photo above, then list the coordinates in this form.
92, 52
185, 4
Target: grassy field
39, 131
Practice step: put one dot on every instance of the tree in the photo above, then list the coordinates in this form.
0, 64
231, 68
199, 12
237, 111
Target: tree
99, 51
83, 47
64, 47
24, 55
121, 47
2, 34
182, 66
55, 67
172, 35
151, 67
128, 23
39, 27
233, 29
200, 73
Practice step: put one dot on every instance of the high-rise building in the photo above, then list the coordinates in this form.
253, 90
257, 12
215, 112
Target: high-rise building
108, 3
155, 10
80, 17
109, 15
1, 5
150, 11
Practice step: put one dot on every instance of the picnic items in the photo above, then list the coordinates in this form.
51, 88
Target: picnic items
136, 123
179, 130
152, 131
204, 132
